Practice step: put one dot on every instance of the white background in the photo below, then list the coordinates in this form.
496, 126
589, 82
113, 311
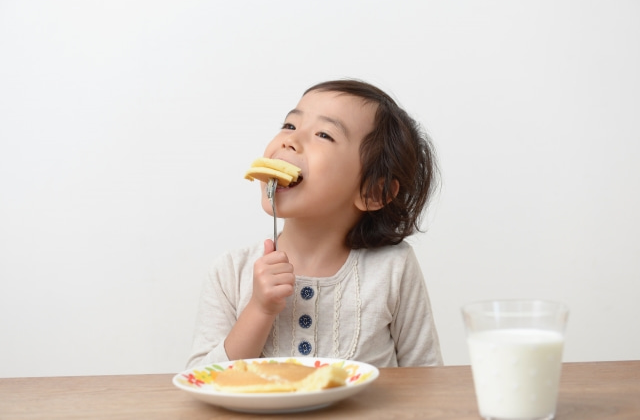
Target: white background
126, 128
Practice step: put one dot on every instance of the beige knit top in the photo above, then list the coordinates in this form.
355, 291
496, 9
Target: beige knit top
375, 309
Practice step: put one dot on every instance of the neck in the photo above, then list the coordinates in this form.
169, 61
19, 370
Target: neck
313, 249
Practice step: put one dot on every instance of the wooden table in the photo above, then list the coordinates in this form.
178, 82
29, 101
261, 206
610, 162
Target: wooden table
598, 390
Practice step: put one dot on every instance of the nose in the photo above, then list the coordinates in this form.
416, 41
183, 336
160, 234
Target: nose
290, 142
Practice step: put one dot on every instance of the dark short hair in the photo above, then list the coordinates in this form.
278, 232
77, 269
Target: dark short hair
396, 149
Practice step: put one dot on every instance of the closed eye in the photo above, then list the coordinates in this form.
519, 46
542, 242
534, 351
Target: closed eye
323, 135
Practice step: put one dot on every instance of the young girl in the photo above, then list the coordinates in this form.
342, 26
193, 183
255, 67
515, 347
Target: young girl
343, 283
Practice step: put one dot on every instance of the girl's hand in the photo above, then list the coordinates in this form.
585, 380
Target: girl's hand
273, 280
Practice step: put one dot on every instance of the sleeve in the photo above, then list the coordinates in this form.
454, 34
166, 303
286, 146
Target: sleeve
216, 315
413, 328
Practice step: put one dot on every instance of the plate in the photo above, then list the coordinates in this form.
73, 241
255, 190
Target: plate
197, 382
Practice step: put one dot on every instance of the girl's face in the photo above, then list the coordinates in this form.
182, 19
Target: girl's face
322, 136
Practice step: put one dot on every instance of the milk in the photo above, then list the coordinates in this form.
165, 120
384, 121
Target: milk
516, 372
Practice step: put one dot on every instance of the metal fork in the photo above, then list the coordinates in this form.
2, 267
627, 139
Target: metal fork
271, 195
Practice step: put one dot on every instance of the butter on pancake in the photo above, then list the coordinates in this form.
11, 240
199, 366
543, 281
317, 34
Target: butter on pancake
264, 168
278, 377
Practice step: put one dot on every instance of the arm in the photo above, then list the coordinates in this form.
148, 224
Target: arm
231, 283
413, 327
273, 281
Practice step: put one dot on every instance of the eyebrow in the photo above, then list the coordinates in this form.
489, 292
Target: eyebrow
337, 123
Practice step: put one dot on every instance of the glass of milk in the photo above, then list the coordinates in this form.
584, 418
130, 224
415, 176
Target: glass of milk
515, 348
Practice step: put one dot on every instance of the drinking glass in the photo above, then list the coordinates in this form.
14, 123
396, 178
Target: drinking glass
515, 347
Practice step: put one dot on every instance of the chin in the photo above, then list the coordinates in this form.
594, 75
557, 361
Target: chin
266, 206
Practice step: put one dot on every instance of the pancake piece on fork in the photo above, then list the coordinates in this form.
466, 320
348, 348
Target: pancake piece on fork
264, 168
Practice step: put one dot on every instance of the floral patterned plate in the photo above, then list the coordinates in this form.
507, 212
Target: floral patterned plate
197, 382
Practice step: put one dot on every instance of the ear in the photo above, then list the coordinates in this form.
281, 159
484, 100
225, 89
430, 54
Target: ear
373, 201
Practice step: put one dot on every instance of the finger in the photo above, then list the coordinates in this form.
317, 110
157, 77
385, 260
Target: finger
269, 246
282, 290
286, 277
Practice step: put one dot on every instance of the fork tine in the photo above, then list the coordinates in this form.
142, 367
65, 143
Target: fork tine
271, 188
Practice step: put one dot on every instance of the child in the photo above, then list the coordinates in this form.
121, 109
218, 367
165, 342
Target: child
343, 283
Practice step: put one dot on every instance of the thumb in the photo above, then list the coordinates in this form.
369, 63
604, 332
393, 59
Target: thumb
269, 246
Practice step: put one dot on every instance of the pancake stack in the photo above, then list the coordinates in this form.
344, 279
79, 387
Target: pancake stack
278, 377
264, 168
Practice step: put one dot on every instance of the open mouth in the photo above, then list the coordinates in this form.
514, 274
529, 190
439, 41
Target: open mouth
293, 184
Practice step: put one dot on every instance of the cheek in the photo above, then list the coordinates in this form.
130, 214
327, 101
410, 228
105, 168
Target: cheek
348, 170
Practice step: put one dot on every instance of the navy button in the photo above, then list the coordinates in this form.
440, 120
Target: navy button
306, 293
305, 321
304, 347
